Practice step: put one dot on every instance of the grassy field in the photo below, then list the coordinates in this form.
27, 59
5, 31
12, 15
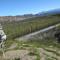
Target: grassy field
17, 29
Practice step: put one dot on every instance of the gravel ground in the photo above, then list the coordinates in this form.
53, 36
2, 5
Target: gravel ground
23, 54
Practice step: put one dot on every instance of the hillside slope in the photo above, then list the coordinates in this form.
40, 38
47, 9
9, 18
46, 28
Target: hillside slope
16, 29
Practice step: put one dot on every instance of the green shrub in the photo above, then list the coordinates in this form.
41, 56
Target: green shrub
17, 59
17, 29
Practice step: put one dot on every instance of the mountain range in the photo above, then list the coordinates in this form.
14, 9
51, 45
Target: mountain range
27, 16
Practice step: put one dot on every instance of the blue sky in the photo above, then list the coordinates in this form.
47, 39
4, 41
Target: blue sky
20, 7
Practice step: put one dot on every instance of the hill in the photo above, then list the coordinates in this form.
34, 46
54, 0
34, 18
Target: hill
34, 49
15, 18
15, 29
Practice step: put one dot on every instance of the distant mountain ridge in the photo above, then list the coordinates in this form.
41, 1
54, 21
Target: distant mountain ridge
51, 12
27, 16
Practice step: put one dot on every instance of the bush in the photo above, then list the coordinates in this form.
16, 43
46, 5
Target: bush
17, 59
17, 29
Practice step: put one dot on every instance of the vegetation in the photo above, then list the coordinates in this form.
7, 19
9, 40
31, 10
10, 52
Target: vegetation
53, 52
17, 58
16, 29
34, 45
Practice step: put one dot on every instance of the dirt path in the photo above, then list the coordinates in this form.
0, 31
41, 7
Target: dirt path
26, 37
